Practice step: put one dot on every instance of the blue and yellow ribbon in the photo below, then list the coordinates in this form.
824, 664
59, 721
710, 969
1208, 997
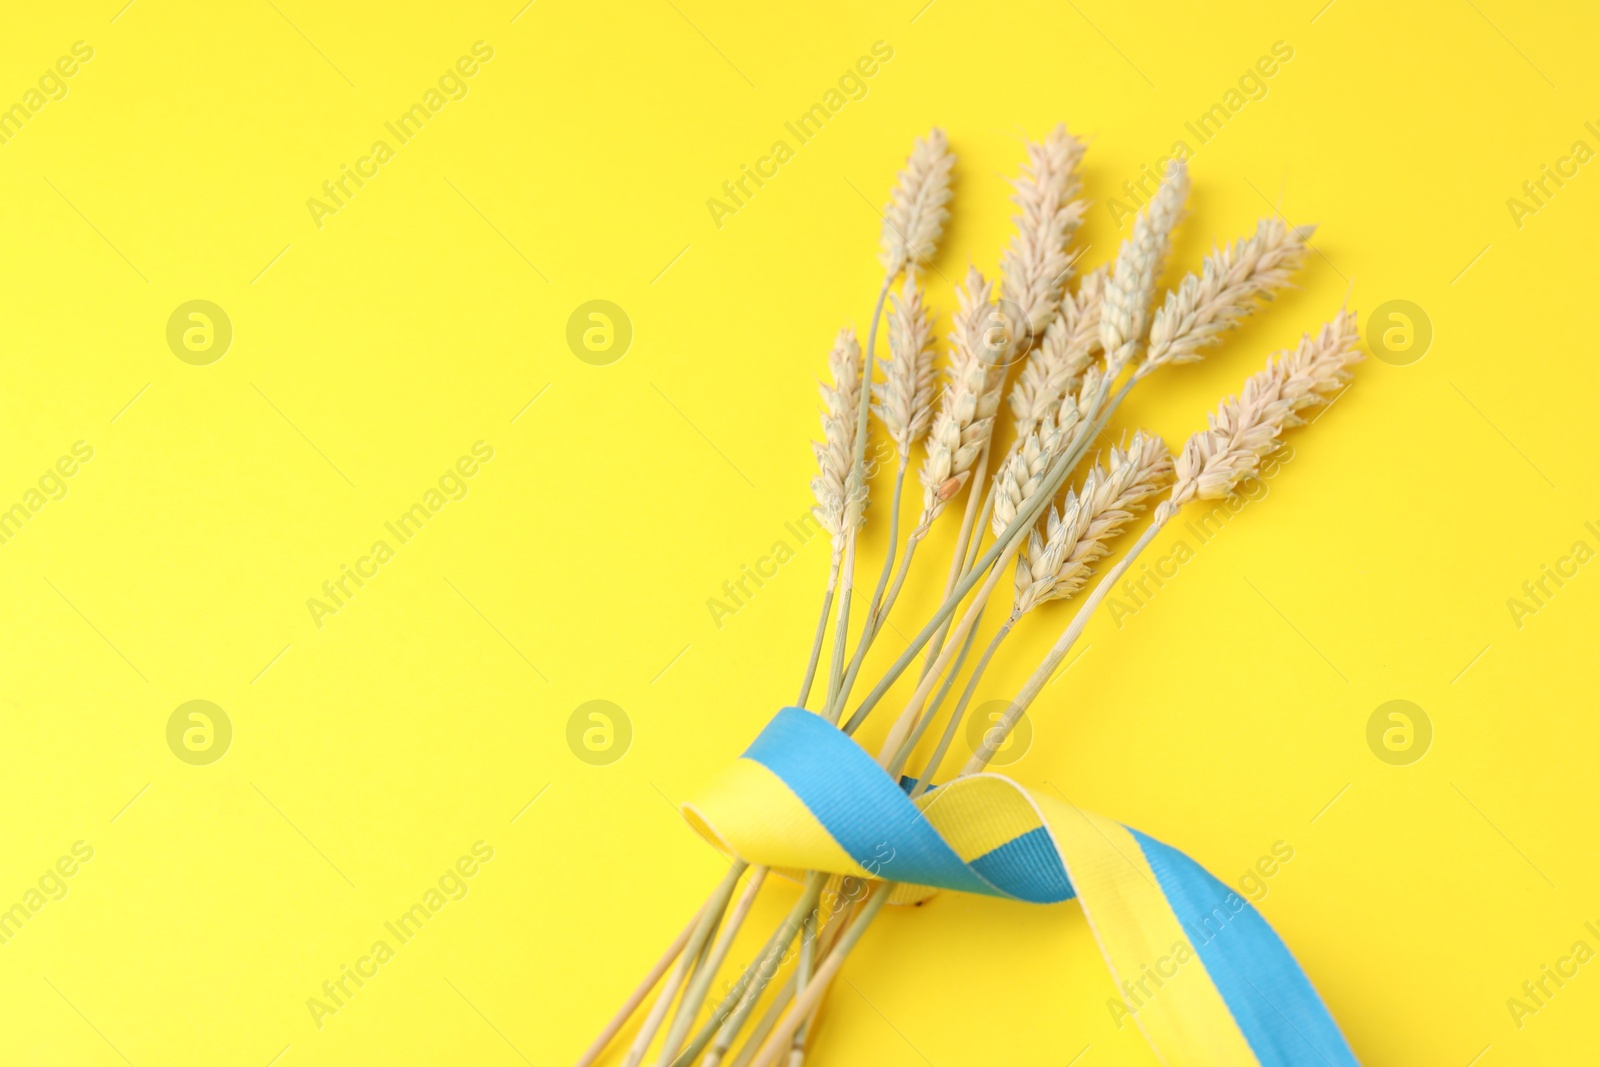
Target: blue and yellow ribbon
1201, 972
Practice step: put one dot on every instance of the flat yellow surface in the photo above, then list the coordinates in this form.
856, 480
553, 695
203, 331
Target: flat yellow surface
403, 749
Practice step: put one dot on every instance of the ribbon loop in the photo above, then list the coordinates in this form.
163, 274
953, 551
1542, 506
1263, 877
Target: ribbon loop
1198, 969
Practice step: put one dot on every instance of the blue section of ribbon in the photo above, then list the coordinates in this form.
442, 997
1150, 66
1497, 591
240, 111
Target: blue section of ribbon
1276, 1008
859, 804
1029, 867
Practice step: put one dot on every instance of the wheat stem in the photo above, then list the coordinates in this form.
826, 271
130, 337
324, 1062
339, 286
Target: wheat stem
694, 996
691, 958
805, 1001
1007, 542
754, 980
925, 780
995, 736
841, 631
876, 613
631, 1005
1211, 464
822, 629
825, 940
903, 753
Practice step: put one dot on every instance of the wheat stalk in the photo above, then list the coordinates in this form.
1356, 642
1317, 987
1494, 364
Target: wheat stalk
1203, 307
967, 405
1055, 366
915, 217
1246, 429
1125, 312
1034, 267
905, 396
1212, 463
1057, 563
841, 501
912, 225
1057, 566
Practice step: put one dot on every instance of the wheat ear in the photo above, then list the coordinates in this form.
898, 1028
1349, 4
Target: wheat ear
916, 214
1055, 367
966, 407
1034, 267
1246, 429
1125, 313
912, 225
1058, 563
1057, 566
841, 499
905, 396
1212, 463
1204, 306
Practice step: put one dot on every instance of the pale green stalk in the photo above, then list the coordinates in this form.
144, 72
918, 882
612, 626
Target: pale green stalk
896, 765
1058, 652
736, 1007
783, 1034
695, 995
822, 628
692, 953
631, 1005
877, 610
1008, 540
925, 780
858, 477
802, 975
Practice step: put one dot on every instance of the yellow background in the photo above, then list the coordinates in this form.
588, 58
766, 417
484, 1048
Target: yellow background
370, 753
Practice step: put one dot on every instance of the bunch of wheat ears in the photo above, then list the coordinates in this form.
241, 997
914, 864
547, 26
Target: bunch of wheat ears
1080, 352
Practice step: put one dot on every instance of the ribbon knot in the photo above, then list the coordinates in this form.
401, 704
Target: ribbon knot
1195, 965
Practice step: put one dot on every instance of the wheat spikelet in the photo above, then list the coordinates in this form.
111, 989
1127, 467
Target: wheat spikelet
841, 498
1022, 472
1203, 307
916, 213
906, 394
1058, 563
967, 405
1246, 429
1055, 367
1034, 267
1020, 475
1125, 312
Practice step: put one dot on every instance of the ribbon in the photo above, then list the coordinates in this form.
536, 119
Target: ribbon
1203, 975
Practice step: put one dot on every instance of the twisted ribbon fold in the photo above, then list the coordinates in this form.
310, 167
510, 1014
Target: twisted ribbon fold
1206, 979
